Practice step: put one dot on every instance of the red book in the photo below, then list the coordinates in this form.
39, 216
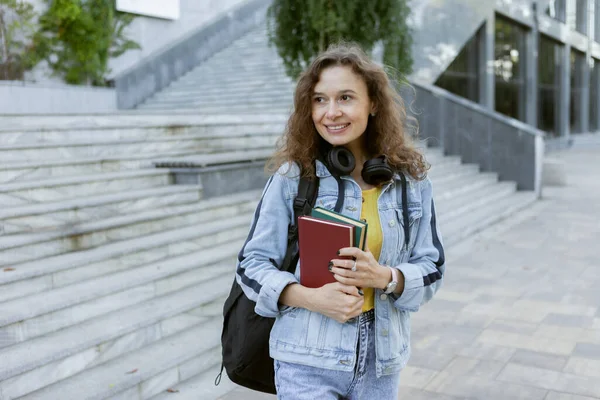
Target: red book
319, 241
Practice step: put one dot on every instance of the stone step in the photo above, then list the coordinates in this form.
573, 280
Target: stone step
204, 160
445, 179
195, 99
464, 203
20, 153
62, 214
32, 277
201, 386
482, 216
234, 87
33, 365
183, 107
38, 315
120, 160
248, 89
238, 70
281, 105
130, 124
227, 81
450, 191
19, 248
45, 169
131, 134
62, 188
231, 90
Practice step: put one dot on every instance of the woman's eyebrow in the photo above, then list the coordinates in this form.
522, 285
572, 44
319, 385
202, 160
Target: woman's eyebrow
340, 92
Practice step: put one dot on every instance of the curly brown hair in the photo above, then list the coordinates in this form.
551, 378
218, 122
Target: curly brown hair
385, 132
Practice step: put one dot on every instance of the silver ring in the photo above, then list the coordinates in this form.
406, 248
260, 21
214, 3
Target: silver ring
354, 267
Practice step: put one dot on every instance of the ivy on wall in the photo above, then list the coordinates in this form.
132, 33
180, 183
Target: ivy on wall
78, 38
301, 29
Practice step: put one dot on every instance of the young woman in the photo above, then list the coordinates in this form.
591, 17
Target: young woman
339, 342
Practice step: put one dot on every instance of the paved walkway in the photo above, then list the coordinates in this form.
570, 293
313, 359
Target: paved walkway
518, 316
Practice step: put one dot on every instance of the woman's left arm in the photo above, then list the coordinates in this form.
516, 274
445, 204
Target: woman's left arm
424, 271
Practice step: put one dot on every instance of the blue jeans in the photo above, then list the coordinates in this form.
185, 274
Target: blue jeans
299, 382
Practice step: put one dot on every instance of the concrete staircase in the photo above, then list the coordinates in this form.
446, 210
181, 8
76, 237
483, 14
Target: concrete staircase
246, 77
112, 279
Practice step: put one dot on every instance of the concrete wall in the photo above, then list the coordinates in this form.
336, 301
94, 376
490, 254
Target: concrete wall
19, 98
154, 34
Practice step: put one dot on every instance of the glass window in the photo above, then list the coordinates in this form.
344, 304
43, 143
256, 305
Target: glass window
577, 71
462, 76
550, 59
594, 83
557, 10
509, 68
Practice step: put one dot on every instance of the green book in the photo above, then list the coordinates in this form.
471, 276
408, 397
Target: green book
360, 227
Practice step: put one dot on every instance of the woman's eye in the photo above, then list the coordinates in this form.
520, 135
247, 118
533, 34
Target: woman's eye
319, 99
345, 97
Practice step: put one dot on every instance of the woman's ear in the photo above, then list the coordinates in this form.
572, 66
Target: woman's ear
373, 110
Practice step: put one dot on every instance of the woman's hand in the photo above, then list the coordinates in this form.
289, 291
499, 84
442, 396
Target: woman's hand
338, 301
366, 272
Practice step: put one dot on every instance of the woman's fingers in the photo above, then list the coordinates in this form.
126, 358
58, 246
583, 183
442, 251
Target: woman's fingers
347, 264
348, 289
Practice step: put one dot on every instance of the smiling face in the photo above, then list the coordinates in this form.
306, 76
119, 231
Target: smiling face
341, 107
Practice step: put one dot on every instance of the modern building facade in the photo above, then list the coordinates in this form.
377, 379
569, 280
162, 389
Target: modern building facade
535, 61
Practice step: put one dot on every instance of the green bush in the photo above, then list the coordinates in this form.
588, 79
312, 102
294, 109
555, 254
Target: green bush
78, 38
301, 29
16, 30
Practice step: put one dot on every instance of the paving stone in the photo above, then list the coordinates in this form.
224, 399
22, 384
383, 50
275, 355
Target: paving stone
567, 396
587, 350
462, 368
484, 351
569, 320
520, 327
416, 377
408, 393
583, 367
541, 360
546, 345
481, 389
550, 380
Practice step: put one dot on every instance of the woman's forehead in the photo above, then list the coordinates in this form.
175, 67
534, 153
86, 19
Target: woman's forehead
338, 79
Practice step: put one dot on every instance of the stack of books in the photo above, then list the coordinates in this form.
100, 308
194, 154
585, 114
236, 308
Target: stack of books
320, 236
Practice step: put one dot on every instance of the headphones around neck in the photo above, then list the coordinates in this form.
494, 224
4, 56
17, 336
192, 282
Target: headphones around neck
340, 161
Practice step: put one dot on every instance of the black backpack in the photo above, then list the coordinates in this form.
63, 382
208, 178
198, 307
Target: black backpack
245, 335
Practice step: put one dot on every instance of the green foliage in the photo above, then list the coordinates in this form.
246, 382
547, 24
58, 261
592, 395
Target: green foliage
78, 38
16, 30
301, 29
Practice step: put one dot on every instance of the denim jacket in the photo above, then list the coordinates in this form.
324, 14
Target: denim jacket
310, 338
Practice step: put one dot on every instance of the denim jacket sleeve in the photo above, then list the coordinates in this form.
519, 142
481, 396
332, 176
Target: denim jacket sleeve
259, 259
424, 271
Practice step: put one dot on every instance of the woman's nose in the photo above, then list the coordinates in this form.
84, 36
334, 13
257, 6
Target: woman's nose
333, 111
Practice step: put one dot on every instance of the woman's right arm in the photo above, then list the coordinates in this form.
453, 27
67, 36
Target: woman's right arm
260, 258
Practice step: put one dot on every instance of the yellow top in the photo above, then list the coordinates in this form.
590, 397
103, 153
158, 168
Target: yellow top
370, 213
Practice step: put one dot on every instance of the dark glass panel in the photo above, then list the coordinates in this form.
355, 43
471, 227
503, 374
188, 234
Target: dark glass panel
462, 76
549, 64
577, 71
594, 84
509, 68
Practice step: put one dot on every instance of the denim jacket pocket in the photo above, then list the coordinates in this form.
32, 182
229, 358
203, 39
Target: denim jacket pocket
415, 212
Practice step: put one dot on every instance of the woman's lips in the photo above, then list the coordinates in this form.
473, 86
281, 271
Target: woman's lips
337, 129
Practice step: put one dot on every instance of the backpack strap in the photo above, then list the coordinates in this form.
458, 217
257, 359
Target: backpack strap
405, 211
303, 203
